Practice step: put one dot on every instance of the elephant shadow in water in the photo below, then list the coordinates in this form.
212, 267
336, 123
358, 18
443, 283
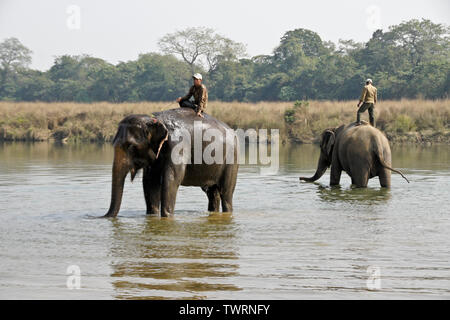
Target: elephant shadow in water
353, 195
170, 258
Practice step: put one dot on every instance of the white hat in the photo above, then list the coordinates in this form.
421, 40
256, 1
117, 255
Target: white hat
369, 80
197, 76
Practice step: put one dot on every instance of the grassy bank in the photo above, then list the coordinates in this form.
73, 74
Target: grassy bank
415, 121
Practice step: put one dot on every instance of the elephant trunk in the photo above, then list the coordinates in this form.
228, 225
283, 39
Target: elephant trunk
119, 173
322, 166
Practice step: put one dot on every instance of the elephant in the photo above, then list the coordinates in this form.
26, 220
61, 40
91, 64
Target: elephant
360, 150
148, 143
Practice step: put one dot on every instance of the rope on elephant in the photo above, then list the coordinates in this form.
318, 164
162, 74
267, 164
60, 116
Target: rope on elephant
170, 104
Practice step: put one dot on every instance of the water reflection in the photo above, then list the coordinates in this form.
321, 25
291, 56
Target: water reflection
353, 194
173, 258
285, 240
55, 152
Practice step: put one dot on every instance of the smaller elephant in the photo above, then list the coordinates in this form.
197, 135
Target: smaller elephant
360, 150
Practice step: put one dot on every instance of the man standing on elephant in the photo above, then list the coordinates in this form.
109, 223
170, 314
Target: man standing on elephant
368, 100
200, 93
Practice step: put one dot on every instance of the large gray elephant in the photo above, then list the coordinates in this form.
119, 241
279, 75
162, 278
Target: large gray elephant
146, 142
360, 150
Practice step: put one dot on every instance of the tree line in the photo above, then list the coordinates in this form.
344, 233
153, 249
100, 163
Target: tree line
409, 60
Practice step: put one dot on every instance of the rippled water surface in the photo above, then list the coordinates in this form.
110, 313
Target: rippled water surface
285, 240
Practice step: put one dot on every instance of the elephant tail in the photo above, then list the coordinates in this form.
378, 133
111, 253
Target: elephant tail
388, 167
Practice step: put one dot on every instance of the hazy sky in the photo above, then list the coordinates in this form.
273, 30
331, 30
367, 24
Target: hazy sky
121, 30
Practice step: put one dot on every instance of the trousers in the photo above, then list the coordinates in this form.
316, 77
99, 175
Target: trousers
366, 106
188, 104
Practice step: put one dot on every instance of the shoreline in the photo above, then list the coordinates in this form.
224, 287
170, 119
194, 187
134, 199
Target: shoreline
410, 138
420, 122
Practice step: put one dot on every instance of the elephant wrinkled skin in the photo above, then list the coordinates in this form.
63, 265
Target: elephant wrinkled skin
144, 142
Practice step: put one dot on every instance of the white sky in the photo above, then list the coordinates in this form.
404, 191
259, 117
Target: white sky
121, 30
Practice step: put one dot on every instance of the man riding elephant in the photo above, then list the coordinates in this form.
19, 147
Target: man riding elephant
200, 93
152, 144
368, 100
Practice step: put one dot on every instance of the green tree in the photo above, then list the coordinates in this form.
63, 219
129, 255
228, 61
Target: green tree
411, 59
231, 80
161, 77
397, 59
14, 58
35, 86
126, 87
65, 67
105, 83
422, 41
298, 48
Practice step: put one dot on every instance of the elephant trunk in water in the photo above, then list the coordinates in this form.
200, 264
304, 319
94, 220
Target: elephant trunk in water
119, 173
322, 166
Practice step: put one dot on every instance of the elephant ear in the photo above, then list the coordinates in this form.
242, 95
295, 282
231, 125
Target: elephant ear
158, 134
329, 140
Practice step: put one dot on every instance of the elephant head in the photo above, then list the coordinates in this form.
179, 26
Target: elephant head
137, 145
327, 142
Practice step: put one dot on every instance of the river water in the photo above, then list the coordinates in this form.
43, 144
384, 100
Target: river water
285, 239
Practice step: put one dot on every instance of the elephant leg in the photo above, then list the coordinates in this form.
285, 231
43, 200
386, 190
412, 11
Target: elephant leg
171, 180
335, 175
227, 188
361, 179
227, 201
213, 198
385, 178
151, 181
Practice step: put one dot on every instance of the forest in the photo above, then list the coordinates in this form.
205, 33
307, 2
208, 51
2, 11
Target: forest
410, 60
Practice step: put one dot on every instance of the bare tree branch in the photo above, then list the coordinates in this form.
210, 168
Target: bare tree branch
201, 46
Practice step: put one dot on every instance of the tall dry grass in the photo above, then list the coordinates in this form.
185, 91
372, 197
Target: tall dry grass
397, 119
37, 121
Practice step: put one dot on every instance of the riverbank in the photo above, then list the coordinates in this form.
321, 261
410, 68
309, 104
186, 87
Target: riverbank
405, 121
